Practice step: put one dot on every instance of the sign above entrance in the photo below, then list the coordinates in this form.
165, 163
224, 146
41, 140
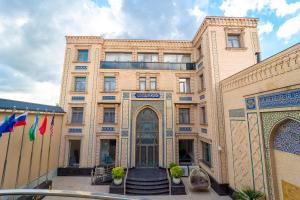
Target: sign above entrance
147, 95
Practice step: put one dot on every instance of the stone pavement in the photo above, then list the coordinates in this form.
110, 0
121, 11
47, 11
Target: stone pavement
83, 184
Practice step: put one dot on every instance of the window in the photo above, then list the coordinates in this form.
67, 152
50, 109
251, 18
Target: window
80, 83
233, 41
177, 58
184, 85
203, 115
109, 115
142, 83
77, 115
109, 84
200, 51
153, 83
186, 152
118, 57
83, 55
148, 57
107, 152
201, 82
184, 115
206, 153
74, 153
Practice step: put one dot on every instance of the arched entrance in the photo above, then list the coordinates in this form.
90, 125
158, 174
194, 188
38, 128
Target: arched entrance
147, 138
285, 160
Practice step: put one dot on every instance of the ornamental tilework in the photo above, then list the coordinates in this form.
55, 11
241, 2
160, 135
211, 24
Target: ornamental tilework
250, 103
256, 152
289, 98
269, 120
287, 137
240, 154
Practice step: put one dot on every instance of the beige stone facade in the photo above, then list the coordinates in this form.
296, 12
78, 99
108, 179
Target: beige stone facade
262, 112
221, 47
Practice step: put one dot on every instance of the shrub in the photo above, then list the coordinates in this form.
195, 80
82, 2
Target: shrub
248, 194
172, 164
176, 172
118, 172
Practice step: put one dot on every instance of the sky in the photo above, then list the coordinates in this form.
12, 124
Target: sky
32, 32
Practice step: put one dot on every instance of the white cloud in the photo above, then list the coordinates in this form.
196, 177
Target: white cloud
289, 28
283, 8
265, 28
197, 12
32, 36
240, 8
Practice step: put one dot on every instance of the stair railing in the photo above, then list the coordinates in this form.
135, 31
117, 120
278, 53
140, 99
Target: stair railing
125, 179
169, 179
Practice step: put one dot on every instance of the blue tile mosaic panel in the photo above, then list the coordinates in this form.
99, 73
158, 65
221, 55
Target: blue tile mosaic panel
169, 132
75, 130
287, 137
146, 95
78, 98
250, 103
204, 130
288, 98
185, 129
81, 67
108, 97
185, 98
108, 129
124, 133
202, 97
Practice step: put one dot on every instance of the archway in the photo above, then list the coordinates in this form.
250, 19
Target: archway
285, 159
147, 130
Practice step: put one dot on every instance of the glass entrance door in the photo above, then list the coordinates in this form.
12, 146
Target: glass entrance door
147, 139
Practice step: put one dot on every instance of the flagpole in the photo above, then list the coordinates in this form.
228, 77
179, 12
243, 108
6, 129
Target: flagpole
29, 173
19, 161
5, 161
40, 159
45, 115
49, 148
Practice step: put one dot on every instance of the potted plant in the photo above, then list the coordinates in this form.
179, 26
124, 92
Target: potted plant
248, 194
172, 164
118, 174
176, 173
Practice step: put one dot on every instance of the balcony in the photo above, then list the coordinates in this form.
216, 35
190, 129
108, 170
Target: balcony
147, 65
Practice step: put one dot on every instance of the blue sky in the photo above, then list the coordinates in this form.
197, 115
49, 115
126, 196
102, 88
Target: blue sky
32, 32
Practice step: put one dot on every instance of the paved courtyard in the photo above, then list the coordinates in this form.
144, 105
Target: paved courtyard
83, 184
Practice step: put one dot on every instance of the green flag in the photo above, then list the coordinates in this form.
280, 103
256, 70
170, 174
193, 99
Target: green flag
32, 130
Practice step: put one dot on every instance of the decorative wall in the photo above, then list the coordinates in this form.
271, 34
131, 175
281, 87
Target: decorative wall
269, 120
240, 154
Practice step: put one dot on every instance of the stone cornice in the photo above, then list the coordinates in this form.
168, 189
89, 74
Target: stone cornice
224, 21
148, 43
283, 62
84, 39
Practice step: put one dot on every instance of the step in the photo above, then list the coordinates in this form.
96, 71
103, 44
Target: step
149, 187
147, 179
148, 182
147, 192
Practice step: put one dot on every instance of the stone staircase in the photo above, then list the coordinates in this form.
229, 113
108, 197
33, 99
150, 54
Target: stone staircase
147, 181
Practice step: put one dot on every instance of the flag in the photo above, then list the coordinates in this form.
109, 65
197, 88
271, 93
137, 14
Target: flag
52, 125
32, 130
7, 125
42, 128
21, 119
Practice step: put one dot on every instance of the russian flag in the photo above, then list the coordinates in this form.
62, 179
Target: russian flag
21, 120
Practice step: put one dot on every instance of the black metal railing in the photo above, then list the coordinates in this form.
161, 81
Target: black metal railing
38, 193
147, 65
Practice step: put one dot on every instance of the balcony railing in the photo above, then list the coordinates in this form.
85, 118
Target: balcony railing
147, 65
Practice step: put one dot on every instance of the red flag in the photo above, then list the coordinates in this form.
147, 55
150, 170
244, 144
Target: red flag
42, 128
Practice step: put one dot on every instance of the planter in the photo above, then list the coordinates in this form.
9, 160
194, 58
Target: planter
117, 181
176, 180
